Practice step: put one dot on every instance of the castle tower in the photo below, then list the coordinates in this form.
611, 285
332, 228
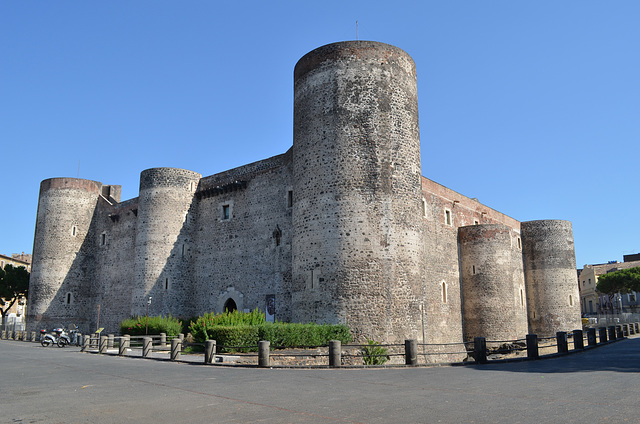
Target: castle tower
59, 287
356, 213
492, 283
164, 246
550, 276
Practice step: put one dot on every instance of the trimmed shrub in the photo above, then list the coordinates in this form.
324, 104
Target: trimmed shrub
136, 326
232, 329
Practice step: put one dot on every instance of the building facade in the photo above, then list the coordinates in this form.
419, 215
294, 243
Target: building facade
593, 302
342, 228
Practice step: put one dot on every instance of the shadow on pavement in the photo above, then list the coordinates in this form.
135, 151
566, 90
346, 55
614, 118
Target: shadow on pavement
621, 356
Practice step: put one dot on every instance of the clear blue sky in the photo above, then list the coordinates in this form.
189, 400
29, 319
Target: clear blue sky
532, 107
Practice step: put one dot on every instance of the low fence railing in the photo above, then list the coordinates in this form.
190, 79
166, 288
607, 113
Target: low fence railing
335, 354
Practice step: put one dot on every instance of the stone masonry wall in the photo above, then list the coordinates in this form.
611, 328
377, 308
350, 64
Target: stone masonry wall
245, 256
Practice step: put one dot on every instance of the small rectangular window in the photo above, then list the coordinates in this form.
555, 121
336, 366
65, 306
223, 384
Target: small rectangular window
290, 198
447, 217
103, 239
225, 212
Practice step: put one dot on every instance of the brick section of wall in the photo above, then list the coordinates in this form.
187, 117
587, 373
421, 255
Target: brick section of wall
550, 274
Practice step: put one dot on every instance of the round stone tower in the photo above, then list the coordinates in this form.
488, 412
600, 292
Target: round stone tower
59, 286
550, 276
163, 241
492, 283
356, 215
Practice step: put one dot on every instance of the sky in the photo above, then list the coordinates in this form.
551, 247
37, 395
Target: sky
532, 107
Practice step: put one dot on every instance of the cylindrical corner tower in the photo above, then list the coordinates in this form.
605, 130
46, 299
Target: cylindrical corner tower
163, 241
492, 283
550, 276
356, 213
59, 286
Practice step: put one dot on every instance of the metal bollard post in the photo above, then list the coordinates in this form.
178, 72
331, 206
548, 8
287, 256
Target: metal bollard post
480, 349
532, 346
612, 332
33, 336
176, 348
619, 334
335, 353
602, 334
591, 337
163, 339
124, 344
411, 352
632, 329
578, 340
86, 343
104, 342
146, 346
209, 351
263, 353
625, 330
563, 344
110, 340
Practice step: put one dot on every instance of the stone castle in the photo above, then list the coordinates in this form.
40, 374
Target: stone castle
342, 228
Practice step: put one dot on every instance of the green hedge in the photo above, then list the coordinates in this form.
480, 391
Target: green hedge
137, 326
230, 338
233, 329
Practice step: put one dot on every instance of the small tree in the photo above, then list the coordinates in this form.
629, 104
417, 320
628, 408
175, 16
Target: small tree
621, 281
14, 283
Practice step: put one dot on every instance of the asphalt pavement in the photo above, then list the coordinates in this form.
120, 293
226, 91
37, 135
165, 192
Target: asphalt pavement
53, 385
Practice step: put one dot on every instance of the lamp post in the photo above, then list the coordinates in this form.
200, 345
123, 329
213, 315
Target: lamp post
146, 321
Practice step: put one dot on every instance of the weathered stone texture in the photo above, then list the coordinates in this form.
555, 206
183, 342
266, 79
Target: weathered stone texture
342, 228
356, 164
493, 283
550, 275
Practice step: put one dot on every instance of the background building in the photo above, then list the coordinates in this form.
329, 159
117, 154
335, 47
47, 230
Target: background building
594, 302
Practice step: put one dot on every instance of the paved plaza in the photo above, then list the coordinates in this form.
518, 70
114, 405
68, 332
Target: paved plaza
53, 385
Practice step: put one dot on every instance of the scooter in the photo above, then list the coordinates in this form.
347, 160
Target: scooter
69, 338
47, 339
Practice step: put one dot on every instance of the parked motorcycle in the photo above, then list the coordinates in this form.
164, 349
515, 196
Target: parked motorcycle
48, 339
69, 338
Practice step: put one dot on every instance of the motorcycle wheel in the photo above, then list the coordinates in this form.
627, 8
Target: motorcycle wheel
45, 342
62, 342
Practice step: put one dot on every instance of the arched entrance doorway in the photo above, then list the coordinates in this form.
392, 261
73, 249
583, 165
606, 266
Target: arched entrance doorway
230, 305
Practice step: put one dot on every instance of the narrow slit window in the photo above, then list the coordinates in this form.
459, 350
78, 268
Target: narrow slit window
473, 269
444, 292
521, 298
226, 212
69, 298
290, 198
74, 230
447, 217
424, 208
570, 300
103, 239
166, 283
